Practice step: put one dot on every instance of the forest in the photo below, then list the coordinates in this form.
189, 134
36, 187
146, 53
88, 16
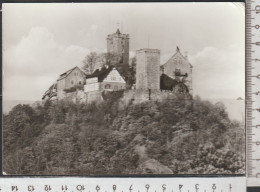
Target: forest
168, 137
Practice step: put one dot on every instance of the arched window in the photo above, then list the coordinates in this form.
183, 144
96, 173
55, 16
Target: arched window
107, 86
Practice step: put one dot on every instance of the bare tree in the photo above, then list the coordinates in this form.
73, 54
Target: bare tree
90, 62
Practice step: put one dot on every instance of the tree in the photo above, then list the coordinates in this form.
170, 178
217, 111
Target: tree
90, 62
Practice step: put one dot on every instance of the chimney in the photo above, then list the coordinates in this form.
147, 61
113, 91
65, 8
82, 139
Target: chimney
106, 65
100, 68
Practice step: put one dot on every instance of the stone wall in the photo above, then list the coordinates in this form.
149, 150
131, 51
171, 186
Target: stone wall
74, 78
118, 44
180, 63
76, 96
94, 96
140, 96
129, 96
83, 97
148, 69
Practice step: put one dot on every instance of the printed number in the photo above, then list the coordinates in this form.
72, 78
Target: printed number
30, 188
130, 188
14, 188
214, 186
97, 188
164, 187
64, 188
47, 188
180, 186
257, 9
114, 187
197, 186
147, 187
80, 187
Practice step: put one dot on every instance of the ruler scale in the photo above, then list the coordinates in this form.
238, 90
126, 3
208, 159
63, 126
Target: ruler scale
252, 92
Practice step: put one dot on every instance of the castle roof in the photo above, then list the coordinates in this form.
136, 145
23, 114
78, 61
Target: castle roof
65, 74
101, 74
178, 52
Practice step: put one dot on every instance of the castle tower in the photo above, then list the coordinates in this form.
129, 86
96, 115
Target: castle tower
118, 44
148, 69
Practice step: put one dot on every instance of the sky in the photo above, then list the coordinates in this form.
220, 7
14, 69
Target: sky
41, 41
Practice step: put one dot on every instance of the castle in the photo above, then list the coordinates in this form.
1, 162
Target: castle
153, 80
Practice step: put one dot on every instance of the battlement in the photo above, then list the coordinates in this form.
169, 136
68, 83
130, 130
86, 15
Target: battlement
124, 36
147, 50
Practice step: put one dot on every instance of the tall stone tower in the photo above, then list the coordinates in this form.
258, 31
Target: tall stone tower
148, 69
118, 44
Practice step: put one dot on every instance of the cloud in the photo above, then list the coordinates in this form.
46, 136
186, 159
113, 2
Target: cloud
219, 73
30, 66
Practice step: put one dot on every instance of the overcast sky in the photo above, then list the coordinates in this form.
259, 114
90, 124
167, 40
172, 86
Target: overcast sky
41, 41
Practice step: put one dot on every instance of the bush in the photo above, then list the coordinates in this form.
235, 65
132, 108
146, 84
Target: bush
188, 137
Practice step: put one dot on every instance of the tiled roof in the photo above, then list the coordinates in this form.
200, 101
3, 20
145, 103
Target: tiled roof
101, 74
65, 74
178, 52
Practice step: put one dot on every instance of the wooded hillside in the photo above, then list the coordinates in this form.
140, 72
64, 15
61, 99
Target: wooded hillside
170, 137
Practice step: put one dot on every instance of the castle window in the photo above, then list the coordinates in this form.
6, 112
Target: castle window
80, 82
72, 82
107, 86
177, 72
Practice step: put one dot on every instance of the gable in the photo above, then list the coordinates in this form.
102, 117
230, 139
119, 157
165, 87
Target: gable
76, 72
178, 60
65, 74
114, 76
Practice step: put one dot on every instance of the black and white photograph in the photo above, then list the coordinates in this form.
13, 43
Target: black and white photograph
114, 89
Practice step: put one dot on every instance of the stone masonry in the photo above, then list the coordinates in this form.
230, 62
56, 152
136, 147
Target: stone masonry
118, 44
148, 69
179, 67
